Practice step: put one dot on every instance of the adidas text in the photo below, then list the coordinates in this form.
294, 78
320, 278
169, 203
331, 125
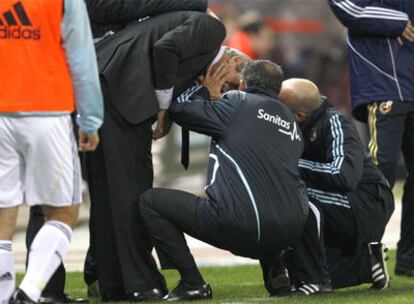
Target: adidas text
19, 33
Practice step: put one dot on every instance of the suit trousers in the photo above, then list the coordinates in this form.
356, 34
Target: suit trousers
118, 173
169, 214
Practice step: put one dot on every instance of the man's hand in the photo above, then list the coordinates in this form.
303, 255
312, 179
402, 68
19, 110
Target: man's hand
88, 142
408, 34
215, 79
163, 125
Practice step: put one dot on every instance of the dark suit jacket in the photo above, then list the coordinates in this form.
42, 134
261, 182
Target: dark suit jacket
114, 15
165, 51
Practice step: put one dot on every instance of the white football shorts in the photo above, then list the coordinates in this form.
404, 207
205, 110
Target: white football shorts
39, 162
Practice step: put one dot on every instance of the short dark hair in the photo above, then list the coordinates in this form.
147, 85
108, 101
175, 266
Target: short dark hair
264, 74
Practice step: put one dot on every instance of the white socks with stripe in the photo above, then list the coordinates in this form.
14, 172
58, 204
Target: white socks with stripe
7, 272
46, 253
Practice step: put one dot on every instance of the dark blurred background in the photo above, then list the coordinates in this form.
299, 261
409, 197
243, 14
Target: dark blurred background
302, 36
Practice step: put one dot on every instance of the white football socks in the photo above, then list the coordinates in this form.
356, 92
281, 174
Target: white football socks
7, 272
46, 253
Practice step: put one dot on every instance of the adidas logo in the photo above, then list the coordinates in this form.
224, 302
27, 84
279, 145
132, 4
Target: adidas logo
6, 277
15, 24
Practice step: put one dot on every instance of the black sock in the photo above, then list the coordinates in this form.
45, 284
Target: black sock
192, 277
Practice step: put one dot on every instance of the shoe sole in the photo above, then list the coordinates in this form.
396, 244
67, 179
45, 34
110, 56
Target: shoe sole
200, 298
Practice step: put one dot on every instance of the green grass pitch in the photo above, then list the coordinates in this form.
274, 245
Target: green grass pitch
243, 284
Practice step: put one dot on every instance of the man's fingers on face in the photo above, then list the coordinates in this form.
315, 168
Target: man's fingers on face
210, 68
222, 67
222, 74
225, 73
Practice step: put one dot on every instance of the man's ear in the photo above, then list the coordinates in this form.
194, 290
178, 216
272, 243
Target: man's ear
242, 86
300, 117
235, 59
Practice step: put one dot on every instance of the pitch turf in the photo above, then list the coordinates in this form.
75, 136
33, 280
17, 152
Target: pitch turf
243, 284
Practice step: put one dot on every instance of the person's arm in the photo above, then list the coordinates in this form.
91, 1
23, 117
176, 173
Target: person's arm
345, 159
198, 35
370, 17
122, 11
194, 110
81, 58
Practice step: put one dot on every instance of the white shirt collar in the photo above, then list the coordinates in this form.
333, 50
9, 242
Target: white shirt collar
219, 55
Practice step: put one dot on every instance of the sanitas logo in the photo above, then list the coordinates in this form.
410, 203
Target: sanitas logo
275, 119
17, 25
278, 121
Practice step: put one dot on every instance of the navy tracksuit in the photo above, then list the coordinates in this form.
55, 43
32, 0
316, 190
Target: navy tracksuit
382, 87
350, 192
256, 202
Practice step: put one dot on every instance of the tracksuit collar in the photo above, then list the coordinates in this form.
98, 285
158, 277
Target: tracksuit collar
314, 117
262, 91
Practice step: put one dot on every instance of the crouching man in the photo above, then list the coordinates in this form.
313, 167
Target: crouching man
351, 193
256, 202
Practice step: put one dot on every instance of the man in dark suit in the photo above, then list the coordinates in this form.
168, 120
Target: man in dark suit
106, 15
142, 67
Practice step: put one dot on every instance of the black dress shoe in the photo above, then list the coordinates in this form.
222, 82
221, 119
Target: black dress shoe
184, 292
20, 297
277, 281
93, 290
403, 271
147, 296
63, 299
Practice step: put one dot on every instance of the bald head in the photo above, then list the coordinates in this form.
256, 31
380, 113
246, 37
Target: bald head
300, 95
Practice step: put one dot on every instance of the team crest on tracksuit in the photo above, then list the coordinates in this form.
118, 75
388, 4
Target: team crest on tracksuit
386, 107
313, 134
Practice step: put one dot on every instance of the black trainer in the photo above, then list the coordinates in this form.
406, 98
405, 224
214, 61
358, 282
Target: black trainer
20, 297
184, 292
380, 277
307, 289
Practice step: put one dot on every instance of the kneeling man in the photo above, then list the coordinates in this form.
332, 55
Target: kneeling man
256, 203
350, 191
